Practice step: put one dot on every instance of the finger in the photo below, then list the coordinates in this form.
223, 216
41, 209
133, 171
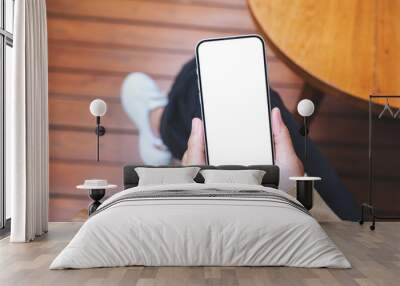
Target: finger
184, 159
195, 151
276, 121
197, 126
282, 139
285, 155
279, 128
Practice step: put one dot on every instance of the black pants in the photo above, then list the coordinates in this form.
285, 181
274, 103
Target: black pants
184, 105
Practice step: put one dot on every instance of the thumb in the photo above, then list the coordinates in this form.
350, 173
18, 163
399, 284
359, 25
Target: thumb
285, 155
196, 134
282, 139
194, 154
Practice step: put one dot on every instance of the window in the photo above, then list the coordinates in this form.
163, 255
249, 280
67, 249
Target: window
6, 64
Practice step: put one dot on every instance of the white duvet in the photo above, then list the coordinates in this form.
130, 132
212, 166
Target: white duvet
200, 231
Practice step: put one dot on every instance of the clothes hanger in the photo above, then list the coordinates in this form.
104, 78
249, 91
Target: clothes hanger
397, 113
387, 107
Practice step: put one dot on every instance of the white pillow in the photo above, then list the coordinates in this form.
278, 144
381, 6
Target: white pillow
248, 177
163, 176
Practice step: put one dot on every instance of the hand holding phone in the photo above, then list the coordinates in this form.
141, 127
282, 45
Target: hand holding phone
234, 97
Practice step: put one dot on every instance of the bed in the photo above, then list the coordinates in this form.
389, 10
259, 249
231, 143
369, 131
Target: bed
201, 224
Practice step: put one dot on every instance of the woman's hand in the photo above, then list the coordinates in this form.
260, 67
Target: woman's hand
195, 152
285, 156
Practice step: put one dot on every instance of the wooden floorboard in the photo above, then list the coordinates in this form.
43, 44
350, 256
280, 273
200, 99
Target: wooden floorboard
119, 62
162, 65
157, 38
81, 145
91, 85
156, 13
374, 257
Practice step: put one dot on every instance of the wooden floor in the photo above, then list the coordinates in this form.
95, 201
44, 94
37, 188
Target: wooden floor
375, 257
93, 44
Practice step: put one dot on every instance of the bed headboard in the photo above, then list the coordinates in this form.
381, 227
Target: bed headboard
270, 179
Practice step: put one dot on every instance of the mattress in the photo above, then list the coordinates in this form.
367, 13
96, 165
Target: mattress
201, 225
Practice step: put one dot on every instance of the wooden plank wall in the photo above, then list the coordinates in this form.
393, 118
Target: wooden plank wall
93, 44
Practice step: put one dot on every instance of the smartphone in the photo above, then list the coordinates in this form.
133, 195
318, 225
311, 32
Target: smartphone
234, 99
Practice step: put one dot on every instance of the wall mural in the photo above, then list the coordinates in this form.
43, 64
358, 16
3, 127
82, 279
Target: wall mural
111, 50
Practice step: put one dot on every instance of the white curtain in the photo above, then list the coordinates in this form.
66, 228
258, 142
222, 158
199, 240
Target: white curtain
27, 124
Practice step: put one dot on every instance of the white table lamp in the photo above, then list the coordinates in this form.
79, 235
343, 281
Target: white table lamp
98, 108
305, 108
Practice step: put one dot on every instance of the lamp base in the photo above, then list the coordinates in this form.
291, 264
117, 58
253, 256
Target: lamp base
304, 130
100, 130
96, 195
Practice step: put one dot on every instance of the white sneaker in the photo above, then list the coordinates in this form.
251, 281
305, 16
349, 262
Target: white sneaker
139, 95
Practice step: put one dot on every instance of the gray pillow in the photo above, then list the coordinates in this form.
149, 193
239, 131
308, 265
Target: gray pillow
162, 176
248, 177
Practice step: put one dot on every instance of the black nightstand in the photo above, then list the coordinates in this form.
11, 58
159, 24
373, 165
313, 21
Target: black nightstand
305, 190
97, 190
96, 195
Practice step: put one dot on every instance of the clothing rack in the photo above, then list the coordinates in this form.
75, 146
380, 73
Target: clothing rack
367, 208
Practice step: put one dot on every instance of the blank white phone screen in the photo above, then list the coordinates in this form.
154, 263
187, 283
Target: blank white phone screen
235, 102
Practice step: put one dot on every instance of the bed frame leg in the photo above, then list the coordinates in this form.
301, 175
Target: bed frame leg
361, 221
372, 226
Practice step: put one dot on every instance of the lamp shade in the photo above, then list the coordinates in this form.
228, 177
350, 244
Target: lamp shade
305, 107
98, 107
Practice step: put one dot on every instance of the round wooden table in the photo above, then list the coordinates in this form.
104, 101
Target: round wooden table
338, 46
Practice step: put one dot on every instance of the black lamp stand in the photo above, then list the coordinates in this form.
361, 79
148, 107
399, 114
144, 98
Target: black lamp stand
305, 188
305, 184
100, 131
96, 195
304, 132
